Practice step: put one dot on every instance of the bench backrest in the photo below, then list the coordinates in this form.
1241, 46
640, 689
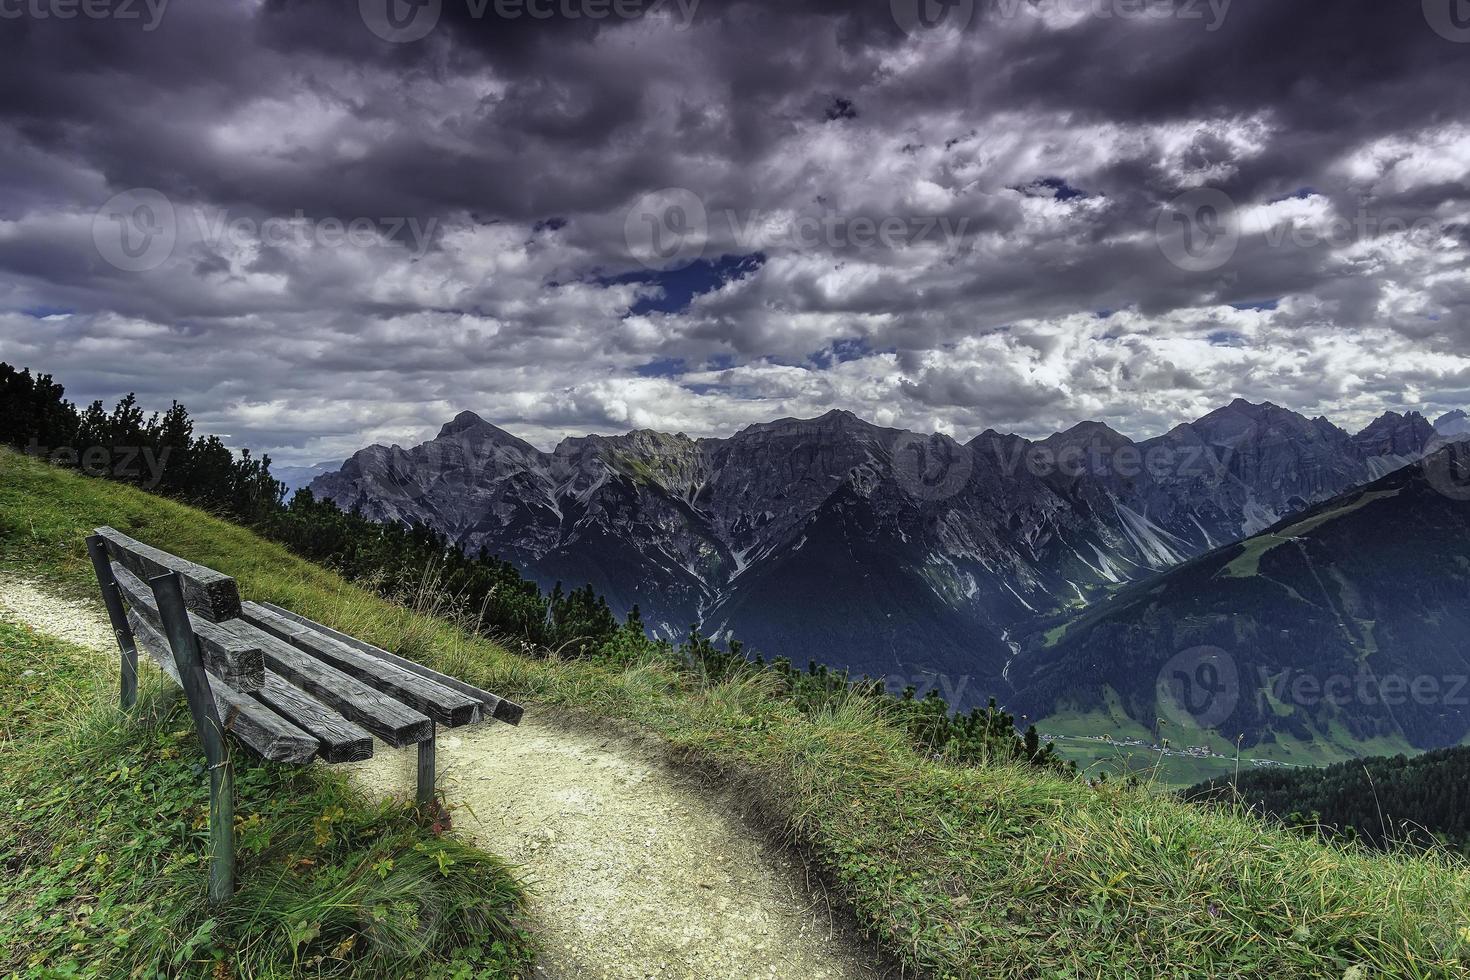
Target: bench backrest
208, 594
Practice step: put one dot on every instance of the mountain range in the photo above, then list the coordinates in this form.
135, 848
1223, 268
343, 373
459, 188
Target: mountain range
891, 553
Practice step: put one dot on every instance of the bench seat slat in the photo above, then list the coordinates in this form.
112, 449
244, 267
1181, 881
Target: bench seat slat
239, 664
396, 723
493, 706
260, 729
209, 594
341, 740
443, 704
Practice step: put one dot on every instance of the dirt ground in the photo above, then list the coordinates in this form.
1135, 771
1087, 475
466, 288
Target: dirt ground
633, 870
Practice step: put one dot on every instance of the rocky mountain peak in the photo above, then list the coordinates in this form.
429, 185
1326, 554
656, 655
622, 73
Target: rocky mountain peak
1089, 433
461, 423
469, 426
1392, 434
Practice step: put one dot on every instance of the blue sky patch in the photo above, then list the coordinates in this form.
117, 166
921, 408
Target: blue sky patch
676, 289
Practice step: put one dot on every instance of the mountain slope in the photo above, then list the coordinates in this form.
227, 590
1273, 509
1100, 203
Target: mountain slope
1344, 625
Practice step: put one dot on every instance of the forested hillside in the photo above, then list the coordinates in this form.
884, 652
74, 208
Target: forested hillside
1420, 801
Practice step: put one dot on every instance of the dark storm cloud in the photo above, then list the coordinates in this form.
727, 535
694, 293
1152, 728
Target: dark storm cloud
496, 167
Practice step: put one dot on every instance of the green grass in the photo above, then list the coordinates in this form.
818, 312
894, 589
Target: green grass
103, 850
968, 871
1077, 729
1248, 564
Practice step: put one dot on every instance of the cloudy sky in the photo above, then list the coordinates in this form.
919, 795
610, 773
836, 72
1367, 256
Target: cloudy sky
325, 224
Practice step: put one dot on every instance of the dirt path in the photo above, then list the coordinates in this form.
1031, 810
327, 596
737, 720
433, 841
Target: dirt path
66, 619
634, 872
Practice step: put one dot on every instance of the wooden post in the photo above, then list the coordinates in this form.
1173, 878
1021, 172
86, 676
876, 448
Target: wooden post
426, 768
112, 599
169, 591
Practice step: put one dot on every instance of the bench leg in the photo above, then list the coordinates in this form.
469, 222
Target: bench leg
169, 592
426, 767
112, 599
222, 833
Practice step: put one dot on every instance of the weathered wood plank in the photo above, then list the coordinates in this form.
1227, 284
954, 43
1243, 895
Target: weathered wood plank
341, 740
237, 663
494, 706
394, 722
260, 729
209, 594
443, 704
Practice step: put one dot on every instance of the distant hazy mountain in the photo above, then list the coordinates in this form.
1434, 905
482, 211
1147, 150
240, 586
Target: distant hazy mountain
1344, 624
297, 477
885, 551
1451, 424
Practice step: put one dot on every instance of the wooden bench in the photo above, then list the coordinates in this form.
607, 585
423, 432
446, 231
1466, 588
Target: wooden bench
288, 689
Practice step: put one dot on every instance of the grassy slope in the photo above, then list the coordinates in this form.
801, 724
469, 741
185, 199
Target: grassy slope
103, 844
984, 871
